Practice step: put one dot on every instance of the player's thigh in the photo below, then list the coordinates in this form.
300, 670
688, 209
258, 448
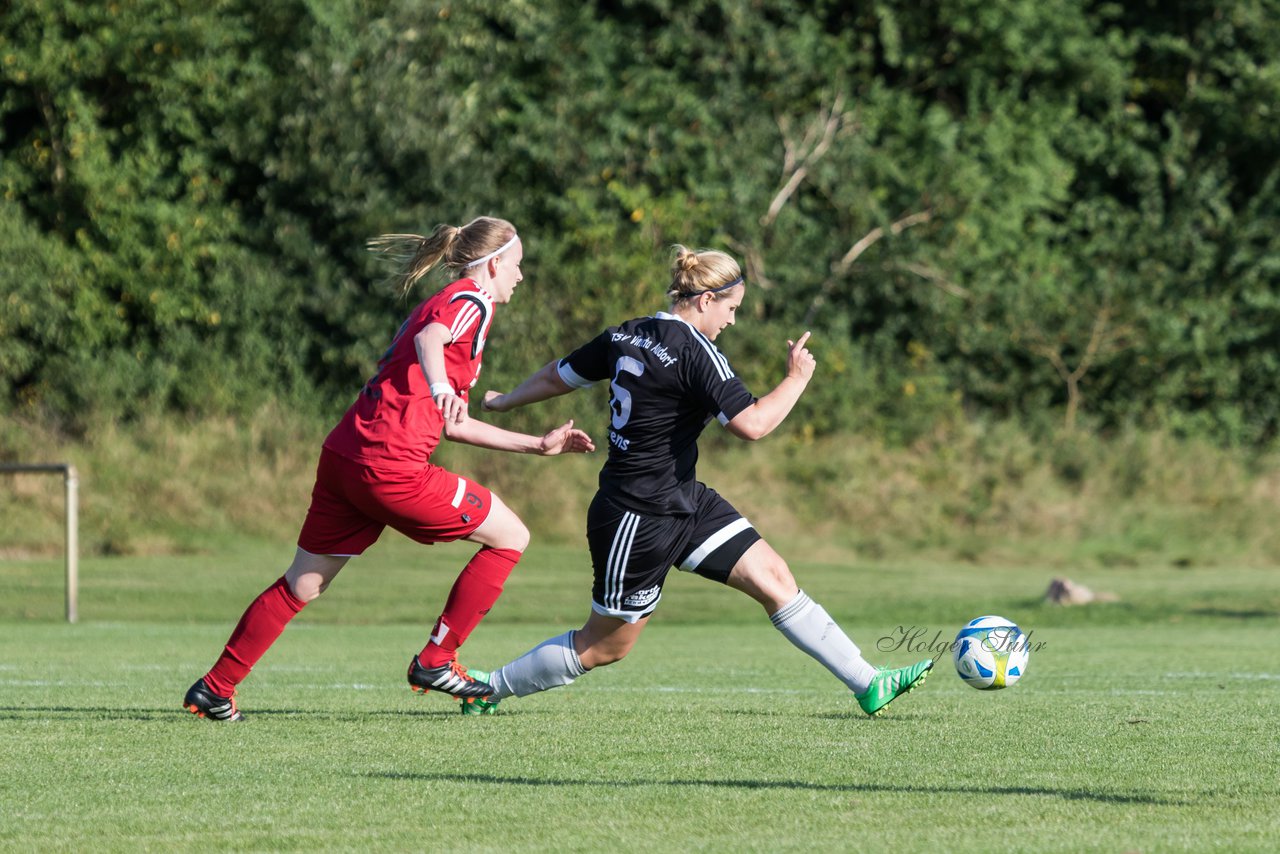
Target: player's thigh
762, 574
501, 529
336, 524
720, 536
433, 505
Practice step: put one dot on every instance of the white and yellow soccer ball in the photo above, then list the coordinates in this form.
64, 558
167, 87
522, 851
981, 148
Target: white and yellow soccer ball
991, 652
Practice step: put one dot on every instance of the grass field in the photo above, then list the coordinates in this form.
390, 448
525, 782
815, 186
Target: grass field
1147, 724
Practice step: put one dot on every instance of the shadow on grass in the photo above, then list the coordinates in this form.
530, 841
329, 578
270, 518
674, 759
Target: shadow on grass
1066, 794
150, 714
1235, 613
854, 715
143, 714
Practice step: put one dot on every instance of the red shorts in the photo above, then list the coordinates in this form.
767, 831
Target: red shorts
351, 504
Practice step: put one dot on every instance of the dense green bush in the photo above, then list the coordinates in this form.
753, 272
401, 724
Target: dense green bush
1059, 212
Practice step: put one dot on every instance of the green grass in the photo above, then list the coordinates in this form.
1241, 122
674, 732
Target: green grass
1142, 725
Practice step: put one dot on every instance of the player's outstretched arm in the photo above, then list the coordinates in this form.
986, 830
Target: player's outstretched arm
762, 417
544, 384
565, 439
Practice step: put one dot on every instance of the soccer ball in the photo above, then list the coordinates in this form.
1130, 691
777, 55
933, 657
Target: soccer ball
990, 653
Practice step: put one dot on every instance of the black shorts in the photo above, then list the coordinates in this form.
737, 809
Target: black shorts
633, 552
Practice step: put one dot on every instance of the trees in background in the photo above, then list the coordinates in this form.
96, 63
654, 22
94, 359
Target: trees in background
1057, 212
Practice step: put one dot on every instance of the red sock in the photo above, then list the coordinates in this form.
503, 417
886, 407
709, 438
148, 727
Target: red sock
473, 594
262, 623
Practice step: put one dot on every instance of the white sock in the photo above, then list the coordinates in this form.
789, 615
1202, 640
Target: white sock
807, 625
551, 664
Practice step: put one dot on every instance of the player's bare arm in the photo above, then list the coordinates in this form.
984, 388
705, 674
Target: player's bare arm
565, 439
430, 344
545, 383
763, 417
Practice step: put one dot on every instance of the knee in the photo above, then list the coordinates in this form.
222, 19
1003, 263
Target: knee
780, 574
505, 530
514, 536
772, 574
768, 581
519, 536
605, 650
307, 588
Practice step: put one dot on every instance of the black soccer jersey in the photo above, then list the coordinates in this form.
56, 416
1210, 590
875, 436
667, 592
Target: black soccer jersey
666, 381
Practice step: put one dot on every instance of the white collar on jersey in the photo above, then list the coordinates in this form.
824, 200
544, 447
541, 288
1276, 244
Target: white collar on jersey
666, 315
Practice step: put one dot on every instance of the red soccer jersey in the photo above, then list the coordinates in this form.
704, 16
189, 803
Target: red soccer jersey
394, 423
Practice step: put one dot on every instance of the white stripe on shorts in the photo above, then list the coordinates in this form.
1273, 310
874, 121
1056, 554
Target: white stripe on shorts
619, 554
462, 490
713, 542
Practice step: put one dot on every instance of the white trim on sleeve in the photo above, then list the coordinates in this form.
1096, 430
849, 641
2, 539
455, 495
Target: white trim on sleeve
570, 376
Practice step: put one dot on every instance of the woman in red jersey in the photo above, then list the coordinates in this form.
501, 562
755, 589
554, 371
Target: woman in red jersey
375, 467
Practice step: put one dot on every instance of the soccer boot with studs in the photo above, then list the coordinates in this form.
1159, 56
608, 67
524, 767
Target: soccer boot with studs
479, 705
451, 678
889, 684
203, 703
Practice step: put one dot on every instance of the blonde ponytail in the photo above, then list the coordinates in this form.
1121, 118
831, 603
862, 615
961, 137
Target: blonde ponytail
413, 256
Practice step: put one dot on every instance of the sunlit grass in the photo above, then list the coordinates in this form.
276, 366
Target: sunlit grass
1145, 724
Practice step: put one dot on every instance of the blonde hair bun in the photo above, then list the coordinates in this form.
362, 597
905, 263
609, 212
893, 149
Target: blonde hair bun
695, 272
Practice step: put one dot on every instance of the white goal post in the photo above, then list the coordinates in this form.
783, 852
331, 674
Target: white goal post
72, 482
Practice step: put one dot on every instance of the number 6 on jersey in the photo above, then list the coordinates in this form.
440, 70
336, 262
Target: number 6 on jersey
620, 402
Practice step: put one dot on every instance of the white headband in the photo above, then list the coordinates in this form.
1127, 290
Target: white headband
494, 254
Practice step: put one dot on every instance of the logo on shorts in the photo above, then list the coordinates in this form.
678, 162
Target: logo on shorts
642, 597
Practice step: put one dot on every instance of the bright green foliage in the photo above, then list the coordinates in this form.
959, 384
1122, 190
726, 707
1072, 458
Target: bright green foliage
1058, 212
123, 126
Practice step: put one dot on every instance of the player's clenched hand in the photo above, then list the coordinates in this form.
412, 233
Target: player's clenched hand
566, 440
800, 362
452, 407
492, 402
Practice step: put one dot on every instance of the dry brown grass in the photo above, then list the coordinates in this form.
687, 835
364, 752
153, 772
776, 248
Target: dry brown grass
981, 493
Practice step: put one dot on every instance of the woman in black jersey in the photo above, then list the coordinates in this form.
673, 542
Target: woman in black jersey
667, 381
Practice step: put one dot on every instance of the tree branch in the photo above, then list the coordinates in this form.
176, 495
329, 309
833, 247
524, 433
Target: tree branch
55, 136
1103, 339
871, 237
796, 160
754, 260
841, 267
928, 273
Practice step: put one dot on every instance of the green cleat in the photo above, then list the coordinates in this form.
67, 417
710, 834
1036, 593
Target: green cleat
888, 684
479, 705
